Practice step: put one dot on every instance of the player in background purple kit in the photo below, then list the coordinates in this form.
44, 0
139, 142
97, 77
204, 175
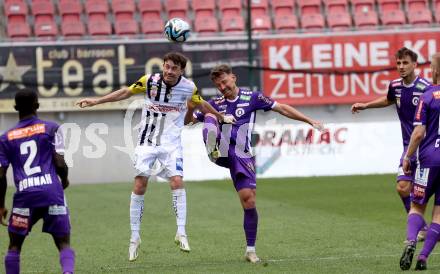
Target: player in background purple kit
405, 93
34, 148
229, 145
426, 139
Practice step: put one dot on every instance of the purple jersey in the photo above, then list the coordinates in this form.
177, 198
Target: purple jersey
427, 114
243, 108
406, 98
29, 148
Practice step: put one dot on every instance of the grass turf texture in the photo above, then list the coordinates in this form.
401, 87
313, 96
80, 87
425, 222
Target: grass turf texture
352, 224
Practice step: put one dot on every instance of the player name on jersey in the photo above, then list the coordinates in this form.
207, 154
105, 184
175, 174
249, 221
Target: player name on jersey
26, 183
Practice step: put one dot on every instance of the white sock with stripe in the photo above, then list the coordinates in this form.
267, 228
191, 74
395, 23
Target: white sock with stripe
179, 206
136, 212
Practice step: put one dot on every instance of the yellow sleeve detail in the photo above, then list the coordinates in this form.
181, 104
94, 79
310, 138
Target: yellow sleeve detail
196, 98
140, 86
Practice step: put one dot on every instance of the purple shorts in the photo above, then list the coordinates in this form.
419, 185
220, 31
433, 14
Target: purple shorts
426, 183
242, 171
404, 177
55, 220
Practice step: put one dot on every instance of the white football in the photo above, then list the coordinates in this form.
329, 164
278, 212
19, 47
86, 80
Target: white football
177, 30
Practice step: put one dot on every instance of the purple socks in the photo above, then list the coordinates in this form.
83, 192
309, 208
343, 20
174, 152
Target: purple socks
250, 224
67, 260
414, 225
12, 262
431, 239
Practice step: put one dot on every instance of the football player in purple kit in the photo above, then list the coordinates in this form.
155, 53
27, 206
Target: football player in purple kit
34, 148
405, 93
426, 140
229, 145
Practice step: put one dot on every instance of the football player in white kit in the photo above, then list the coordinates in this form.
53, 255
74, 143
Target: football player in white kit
166, 96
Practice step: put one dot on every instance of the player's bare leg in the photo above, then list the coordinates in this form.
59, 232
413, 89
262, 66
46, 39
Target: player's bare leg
250, 222
12, 258
179, 206
67, 255
414, 225
403, 187
136, 212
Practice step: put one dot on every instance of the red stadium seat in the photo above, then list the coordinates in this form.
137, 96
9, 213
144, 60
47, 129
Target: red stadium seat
312, 22
232, 24
72, 28
177, 8
259, 7
416, 4
123, 7
366, 20
393, 18
340, 21
286, 23
335, 6
230, 7
99, 26
126, 26
283, 7
309, 6
261, 24
70, 8
45, 28
420, 17
386, 5
362, 5
42, 7
17, 27
152, 26
15, 8
206, 24
97, 7
203, 7
152, 8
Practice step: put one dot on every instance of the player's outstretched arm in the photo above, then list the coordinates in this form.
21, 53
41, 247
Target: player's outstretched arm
61, 169
114, 96
380, 102
292, 113
3, 187
416, 138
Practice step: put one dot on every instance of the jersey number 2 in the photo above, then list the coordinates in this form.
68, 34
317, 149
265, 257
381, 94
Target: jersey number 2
29, 147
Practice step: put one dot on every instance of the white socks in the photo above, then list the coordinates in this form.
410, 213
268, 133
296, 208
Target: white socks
250, 249
136, 211
179, 206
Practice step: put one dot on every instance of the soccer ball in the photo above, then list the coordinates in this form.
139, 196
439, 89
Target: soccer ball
177, 30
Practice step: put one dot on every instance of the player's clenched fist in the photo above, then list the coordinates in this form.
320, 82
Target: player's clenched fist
87, 102
358, 106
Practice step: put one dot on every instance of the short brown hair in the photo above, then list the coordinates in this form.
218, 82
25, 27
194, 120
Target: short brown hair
402, 52
217, 71
177, 58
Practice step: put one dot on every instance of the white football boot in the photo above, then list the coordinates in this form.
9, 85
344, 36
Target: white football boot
133, 250
252, 257
182, 242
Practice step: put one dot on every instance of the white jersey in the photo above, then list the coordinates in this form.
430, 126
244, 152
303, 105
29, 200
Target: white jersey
164, 110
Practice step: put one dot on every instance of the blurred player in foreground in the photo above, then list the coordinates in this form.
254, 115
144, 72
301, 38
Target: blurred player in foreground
405, 93
426, 139
166, 97
35, 149
229, 145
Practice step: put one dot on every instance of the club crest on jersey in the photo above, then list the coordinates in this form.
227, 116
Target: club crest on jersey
239, 112
169, 95
415, 101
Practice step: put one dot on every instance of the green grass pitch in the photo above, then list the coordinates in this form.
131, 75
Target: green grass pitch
352, 224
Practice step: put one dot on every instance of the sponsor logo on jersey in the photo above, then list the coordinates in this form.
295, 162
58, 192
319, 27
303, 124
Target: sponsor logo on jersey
57, 210
245, 97
436, 94
153, 91
243, 105
222, 106
419, 110
420, 86
26, 131
179, 164
239, 112
265, 99
398, 102
165, 108
21, 211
